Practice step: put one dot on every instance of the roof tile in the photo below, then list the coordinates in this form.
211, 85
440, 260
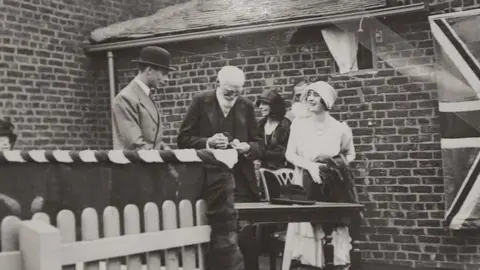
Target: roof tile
206, 14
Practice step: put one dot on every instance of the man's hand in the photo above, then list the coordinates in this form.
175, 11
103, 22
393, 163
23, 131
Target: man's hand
241, 147
217, 141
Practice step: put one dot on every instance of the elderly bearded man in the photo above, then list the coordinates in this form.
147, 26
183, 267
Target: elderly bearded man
221, 119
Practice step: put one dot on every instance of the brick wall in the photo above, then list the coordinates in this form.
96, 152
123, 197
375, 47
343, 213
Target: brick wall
393, 116
55, 95
58, 98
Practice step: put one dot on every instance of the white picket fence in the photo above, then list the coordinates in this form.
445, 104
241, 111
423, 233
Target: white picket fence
37, 245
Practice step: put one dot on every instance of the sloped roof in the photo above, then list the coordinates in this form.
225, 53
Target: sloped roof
199, 15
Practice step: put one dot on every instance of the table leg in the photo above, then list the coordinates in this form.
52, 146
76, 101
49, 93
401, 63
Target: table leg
328, 246
355, 254
287, 250
272, 249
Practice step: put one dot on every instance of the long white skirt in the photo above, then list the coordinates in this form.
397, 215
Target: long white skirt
304, 242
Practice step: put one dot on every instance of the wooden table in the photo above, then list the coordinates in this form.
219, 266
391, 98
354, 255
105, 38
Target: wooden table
264, 212
321, 212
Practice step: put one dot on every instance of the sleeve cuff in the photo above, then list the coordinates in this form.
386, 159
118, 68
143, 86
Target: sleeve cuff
207, 145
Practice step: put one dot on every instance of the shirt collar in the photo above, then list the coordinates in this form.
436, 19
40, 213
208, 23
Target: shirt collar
144, 87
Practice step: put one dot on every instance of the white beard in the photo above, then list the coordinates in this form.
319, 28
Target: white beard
229, 104
300, 110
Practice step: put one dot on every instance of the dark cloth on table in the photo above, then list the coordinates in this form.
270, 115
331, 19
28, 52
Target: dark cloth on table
337, 185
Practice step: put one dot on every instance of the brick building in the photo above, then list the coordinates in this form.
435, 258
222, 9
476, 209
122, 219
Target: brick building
58, 97
55, 94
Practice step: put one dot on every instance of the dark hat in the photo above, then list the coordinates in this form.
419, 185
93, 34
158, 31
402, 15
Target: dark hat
292, 194
278, 107
270, 97
6, 130
155, 56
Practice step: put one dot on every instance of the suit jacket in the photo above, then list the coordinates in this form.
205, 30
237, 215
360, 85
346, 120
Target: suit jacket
136, 120
200, 124
273, 157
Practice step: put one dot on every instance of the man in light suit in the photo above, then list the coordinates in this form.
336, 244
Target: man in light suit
136, 119
220, 119
137, 126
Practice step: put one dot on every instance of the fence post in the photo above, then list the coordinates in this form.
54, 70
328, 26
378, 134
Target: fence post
40, 246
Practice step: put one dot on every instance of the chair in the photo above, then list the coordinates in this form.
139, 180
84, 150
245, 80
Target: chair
284, 176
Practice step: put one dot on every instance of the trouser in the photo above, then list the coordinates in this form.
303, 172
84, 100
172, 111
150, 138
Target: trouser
224, 250
233, 244
249, 245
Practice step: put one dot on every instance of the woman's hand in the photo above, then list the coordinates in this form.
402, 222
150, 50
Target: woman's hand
314, 170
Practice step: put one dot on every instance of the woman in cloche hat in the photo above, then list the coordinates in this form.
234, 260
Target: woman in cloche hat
321, 148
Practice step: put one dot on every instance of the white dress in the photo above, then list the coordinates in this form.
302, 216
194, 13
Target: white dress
308, 141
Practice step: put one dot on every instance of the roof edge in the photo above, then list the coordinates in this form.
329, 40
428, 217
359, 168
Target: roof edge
245, 29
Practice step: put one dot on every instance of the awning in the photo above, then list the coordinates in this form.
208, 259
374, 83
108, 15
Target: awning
259, 27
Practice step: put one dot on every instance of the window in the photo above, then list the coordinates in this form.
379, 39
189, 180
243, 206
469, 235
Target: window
366, 59
339, 39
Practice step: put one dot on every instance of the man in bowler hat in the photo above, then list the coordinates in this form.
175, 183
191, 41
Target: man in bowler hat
137, 126
136, 119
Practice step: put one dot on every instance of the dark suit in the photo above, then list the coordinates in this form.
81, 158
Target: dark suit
204, 119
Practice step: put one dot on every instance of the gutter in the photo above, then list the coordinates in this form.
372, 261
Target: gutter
255, 28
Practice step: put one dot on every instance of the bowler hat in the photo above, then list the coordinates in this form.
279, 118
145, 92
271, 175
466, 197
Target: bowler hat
155, 56
292, 194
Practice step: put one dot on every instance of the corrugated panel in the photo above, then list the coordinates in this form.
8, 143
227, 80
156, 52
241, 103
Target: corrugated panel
197, 14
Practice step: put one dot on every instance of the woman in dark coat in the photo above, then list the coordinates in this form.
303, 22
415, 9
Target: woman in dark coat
275, 130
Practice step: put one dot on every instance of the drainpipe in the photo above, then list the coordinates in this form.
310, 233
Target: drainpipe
111, 79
